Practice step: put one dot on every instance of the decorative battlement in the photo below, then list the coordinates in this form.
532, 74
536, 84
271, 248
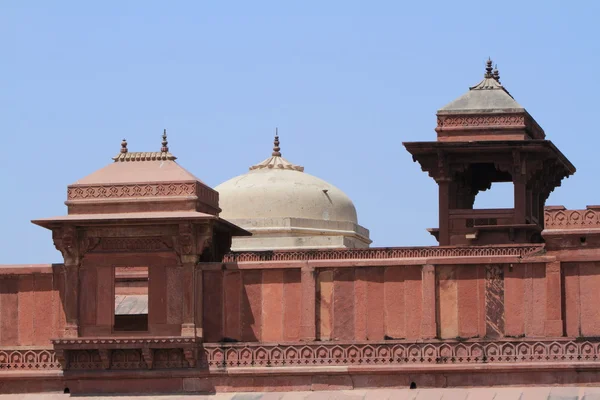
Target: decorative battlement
558, 217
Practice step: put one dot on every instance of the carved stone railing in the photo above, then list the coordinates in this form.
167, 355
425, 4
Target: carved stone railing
126, 353
401, 353
384, 253
28, 359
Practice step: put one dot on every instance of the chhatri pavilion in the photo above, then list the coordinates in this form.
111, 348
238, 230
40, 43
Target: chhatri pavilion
268, 283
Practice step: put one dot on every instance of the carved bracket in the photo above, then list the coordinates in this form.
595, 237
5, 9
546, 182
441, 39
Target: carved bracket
105, 356
190, 355
148, 355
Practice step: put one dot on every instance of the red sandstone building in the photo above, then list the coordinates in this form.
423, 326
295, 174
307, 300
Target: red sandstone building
150, 298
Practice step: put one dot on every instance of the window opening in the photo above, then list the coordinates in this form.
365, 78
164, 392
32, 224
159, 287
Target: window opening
500, 195
131, 299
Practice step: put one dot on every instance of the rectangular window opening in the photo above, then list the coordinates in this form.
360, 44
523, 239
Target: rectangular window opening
131, 299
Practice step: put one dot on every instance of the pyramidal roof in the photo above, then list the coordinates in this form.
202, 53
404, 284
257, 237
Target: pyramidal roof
140, 167
141, 181
488, 95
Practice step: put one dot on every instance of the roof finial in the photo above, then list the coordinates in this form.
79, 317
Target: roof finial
276, 148
124, 146
496, 73
488, 68
165, 147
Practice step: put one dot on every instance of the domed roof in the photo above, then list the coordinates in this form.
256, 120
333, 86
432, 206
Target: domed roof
276, 188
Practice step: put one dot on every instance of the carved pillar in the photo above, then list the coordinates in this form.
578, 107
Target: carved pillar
66, 241
428, 318
188, 277
553, 325
71, 301
444, 207
520, 184
190, 244
308, 317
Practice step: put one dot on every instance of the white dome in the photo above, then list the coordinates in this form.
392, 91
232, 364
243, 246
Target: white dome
283, 207
274, 192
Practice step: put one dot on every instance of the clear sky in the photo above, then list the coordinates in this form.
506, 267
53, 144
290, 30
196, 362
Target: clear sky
345, 81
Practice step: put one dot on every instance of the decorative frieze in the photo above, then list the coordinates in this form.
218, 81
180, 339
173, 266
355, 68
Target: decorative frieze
383, 253
143, 244
481, 121
232, 355
400, 353
129, 191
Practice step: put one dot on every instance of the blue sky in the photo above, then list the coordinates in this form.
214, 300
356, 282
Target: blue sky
346, 82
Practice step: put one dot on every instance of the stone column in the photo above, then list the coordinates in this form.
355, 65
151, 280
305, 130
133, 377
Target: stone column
428, 314
67, 242
308, 317
188, 288
553, 325
444, 208
71, 300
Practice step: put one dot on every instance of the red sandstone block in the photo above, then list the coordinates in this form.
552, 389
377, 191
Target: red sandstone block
413, 298
157, 295
331, 382
232, 288
539, 299
198, 385
468, 302
117, 386
394, 302
105, 297
251, 306
448, 301
26, 310
360, 304
514, 293
375, 318
87, 296
293, 303
212, 292
44, 310
57, 290
343, 304
9, 312
324, 304
399, 381
174, 296
272, 305
572, 299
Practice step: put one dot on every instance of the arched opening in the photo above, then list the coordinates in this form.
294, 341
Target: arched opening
413, 385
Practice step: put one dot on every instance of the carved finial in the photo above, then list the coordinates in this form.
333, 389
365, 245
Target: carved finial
496, 73
124, 146
165, 147
276, 148
488, 69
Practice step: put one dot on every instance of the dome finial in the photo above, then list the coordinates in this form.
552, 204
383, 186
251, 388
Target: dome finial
496, 73
276, 148
488, 68
124, 146
165, 147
